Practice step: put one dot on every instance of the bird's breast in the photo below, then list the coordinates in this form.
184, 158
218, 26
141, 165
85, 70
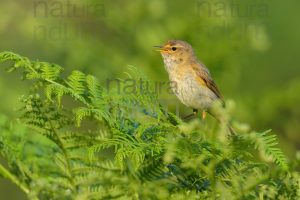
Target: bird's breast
190, 92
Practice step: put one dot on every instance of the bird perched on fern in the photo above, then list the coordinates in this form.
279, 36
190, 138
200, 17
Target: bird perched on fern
195, 87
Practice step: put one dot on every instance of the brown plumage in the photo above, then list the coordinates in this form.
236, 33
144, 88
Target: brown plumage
206, 78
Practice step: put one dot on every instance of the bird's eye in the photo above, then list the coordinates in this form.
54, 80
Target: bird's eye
174, 48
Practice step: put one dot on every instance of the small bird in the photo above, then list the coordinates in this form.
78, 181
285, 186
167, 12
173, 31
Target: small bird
194, 86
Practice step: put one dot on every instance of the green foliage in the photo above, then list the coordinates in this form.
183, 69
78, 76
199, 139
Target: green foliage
95, 144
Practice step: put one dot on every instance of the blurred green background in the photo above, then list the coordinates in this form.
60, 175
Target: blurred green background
251, 48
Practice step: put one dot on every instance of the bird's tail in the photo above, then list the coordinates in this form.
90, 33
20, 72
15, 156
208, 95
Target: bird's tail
222, 119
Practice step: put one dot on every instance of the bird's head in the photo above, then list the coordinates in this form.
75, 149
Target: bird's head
176, 51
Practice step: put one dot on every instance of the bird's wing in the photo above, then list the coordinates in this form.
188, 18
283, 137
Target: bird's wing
203, 76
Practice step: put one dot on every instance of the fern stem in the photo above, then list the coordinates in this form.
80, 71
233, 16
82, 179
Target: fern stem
6, 174
61, 146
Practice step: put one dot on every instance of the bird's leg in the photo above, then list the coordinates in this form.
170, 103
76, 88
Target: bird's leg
195, 111
203, 114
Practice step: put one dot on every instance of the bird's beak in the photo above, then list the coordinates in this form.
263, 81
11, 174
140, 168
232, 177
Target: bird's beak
159, 48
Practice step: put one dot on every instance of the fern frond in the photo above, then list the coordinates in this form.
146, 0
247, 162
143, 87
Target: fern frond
48, 71
94, 89
76, 82
266, 144
55, 91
